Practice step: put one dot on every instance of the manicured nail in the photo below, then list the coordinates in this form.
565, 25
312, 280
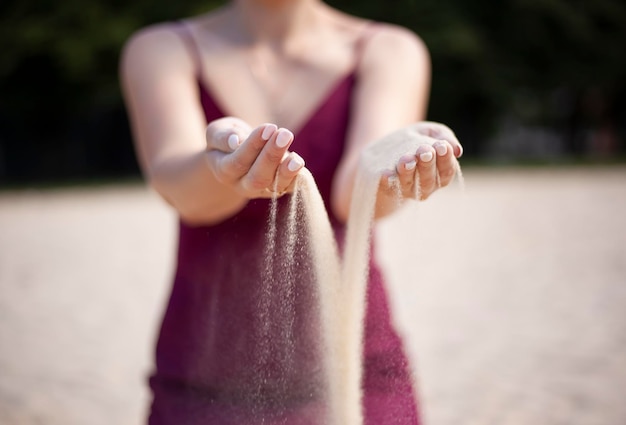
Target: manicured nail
233, 141
441, 148
268, 131
295, 163
426, 156
283, 138
410, 165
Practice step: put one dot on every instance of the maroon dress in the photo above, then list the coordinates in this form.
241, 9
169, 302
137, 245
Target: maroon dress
213, 366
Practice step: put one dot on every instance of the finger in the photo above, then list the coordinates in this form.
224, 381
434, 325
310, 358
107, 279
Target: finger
287, 172
238, 163
445, 162
426, 176
263, 171
405, 169
389, 183
442, 132
225, 135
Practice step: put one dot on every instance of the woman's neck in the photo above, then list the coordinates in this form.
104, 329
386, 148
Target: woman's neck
276, 22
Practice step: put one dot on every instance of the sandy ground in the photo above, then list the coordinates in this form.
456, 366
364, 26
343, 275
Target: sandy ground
512, 297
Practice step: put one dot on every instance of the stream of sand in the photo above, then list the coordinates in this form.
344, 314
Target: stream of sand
340, 280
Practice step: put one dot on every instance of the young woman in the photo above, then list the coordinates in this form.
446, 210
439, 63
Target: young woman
219, 105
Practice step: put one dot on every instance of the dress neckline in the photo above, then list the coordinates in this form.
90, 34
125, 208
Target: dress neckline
333, 89
369, 28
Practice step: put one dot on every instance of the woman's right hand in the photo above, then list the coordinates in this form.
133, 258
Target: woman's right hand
256, 163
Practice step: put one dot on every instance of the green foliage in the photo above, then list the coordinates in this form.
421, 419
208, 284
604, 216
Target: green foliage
61, 113
58, 68
81, 40
510, 57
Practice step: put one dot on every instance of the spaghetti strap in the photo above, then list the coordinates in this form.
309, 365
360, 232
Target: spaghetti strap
367, 33
216, 362
184, 31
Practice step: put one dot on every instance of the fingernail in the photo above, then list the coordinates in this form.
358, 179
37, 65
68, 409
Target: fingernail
233, 141
410, 165
392, 180
268, 131
295, 163
426, 156
460, 151
283, 138
441, 148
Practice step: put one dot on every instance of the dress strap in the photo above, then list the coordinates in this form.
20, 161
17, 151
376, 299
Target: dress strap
367, 33
183, 29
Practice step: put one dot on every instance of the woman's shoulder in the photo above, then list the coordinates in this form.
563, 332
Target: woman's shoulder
161, 46
383, 39
156, 42
154, 49
395, 40
385, 33
172, 40
156, 33
391, 45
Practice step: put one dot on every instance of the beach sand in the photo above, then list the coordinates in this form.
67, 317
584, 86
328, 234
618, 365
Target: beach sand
511, 296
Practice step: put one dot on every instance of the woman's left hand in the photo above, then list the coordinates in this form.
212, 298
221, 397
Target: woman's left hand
431, 166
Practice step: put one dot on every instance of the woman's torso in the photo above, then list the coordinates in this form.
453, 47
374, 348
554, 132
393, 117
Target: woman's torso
212, 347
209, 334
278, 79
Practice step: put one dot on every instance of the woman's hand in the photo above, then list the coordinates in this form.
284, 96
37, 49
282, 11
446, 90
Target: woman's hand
432, 165
256, 163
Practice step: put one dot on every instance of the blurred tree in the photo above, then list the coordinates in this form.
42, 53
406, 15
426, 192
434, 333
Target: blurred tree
61, 113
533, 60
555, 63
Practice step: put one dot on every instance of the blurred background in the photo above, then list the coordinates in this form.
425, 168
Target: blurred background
515, 312
518, 79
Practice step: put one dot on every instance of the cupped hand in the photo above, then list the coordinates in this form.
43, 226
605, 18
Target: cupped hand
432, 165
256, 163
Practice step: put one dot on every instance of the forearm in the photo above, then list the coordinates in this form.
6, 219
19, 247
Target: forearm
190, 186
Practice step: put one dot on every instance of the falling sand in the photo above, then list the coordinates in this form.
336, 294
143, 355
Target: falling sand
340, 281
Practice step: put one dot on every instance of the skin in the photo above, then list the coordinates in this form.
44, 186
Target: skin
209, 171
